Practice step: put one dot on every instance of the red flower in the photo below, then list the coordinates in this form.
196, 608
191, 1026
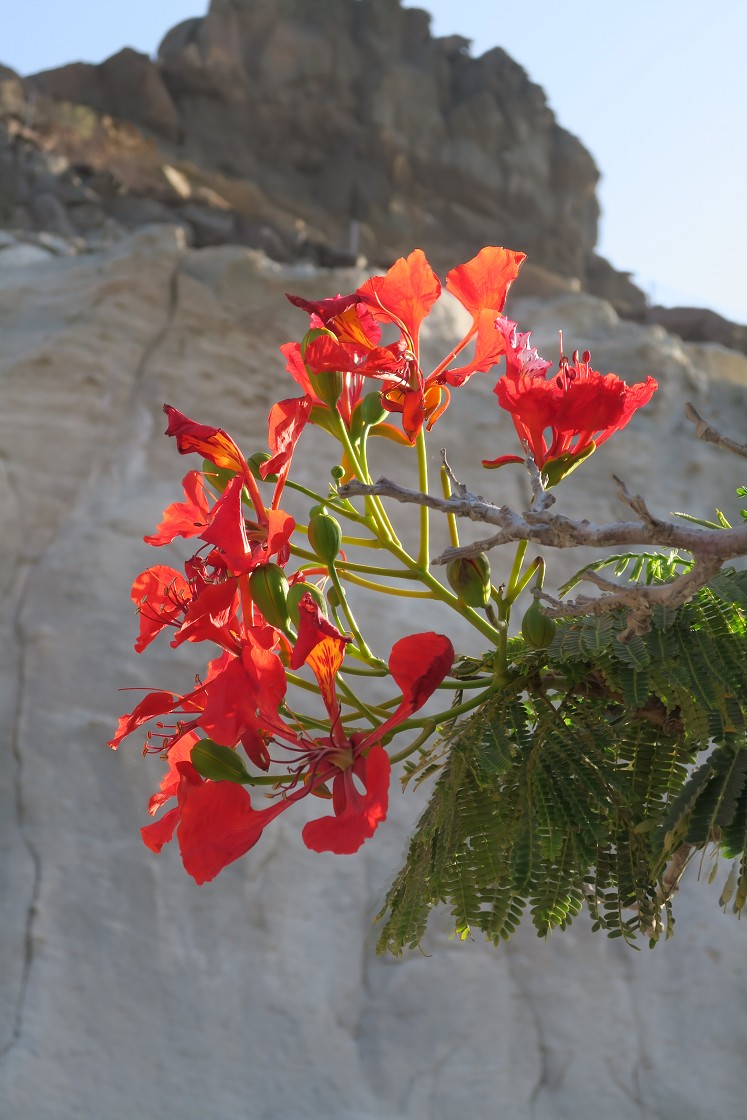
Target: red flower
579, 406
351, 344
184, 519
214, 822
286, 421
418, 664
161, 595
483, 283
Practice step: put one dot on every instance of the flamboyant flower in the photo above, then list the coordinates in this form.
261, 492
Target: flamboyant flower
349, 338
579, 407
215, 822
184, 519
349, 346
242, 543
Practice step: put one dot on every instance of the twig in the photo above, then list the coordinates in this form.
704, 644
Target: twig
704, 431
710, 548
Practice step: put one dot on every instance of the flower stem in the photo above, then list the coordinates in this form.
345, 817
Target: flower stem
451, 520
424, 552
401, 591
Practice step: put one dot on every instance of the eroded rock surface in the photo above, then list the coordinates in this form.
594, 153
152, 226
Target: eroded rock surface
125, 990
307, 115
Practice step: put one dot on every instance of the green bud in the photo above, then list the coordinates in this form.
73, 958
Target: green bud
333, 598
219, 763
296, 593
325, 537
537, 629
469, 577
269, 590
557, 469
217, 477
372, 410
255, 461
337, 472
327, 384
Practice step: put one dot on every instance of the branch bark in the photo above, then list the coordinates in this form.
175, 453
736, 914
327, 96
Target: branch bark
709, 548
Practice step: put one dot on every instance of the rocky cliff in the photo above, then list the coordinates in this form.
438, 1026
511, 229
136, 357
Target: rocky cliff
306, 127
125, 990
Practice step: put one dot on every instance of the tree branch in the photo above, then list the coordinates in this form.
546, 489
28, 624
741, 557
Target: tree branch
704, 431
710, 548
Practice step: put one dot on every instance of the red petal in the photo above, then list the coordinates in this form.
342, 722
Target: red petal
212, 443
161, 831
484, 281
492, 464
326, 309
154, 704
314, 628
418, 664
184, 519
209, 615
490, 346
297, 369
636, 396
344, 834
287, 420
217, 826
227, 528
405, 295
161, 595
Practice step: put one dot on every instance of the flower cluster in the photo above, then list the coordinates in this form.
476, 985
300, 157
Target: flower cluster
270, 595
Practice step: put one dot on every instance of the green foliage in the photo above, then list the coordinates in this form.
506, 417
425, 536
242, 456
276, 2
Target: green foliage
592, 778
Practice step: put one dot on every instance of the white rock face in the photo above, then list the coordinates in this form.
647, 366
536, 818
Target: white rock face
126, 991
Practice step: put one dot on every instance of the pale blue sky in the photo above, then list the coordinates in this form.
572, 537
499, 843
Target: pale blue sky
654, 88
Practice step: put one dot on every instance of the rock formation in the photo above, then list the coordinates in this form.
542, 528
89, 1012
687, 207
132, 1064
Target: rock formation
317, 130
125, 990
308, 115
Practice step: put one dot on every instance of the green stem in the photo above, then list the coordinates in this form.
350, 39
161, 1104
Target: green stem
376, 515
440, 592
351, 578
415, 745
340, 505
500, 671
373, 570
451, 520
443, 717
345, 690
513, 579
360, 641
424, 553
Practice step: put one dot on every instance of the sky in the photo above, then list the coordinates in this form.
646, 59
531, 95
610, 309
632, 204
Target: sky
655, 89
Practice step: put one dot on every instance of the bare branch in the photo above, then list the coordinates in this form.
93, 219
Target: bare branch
704, 431
710, 548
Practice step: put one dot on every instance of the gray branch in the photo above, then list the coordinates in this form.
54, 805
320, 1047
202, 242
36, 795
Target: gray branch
704, 431
710, 548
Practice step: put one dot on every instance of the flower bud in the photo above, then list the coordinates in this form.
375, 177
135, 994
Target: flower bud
255, 461
327, 384
325, 537
294, 597
218, 763
537, 629
372, 410
217, 477
469, 578
269, 590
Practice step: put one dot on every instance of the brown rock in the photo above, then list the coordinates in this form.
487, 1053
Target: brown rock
697, 324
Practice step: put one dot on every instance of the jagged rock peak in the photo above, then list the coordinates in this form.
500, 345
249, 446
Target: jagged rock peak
351, 109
